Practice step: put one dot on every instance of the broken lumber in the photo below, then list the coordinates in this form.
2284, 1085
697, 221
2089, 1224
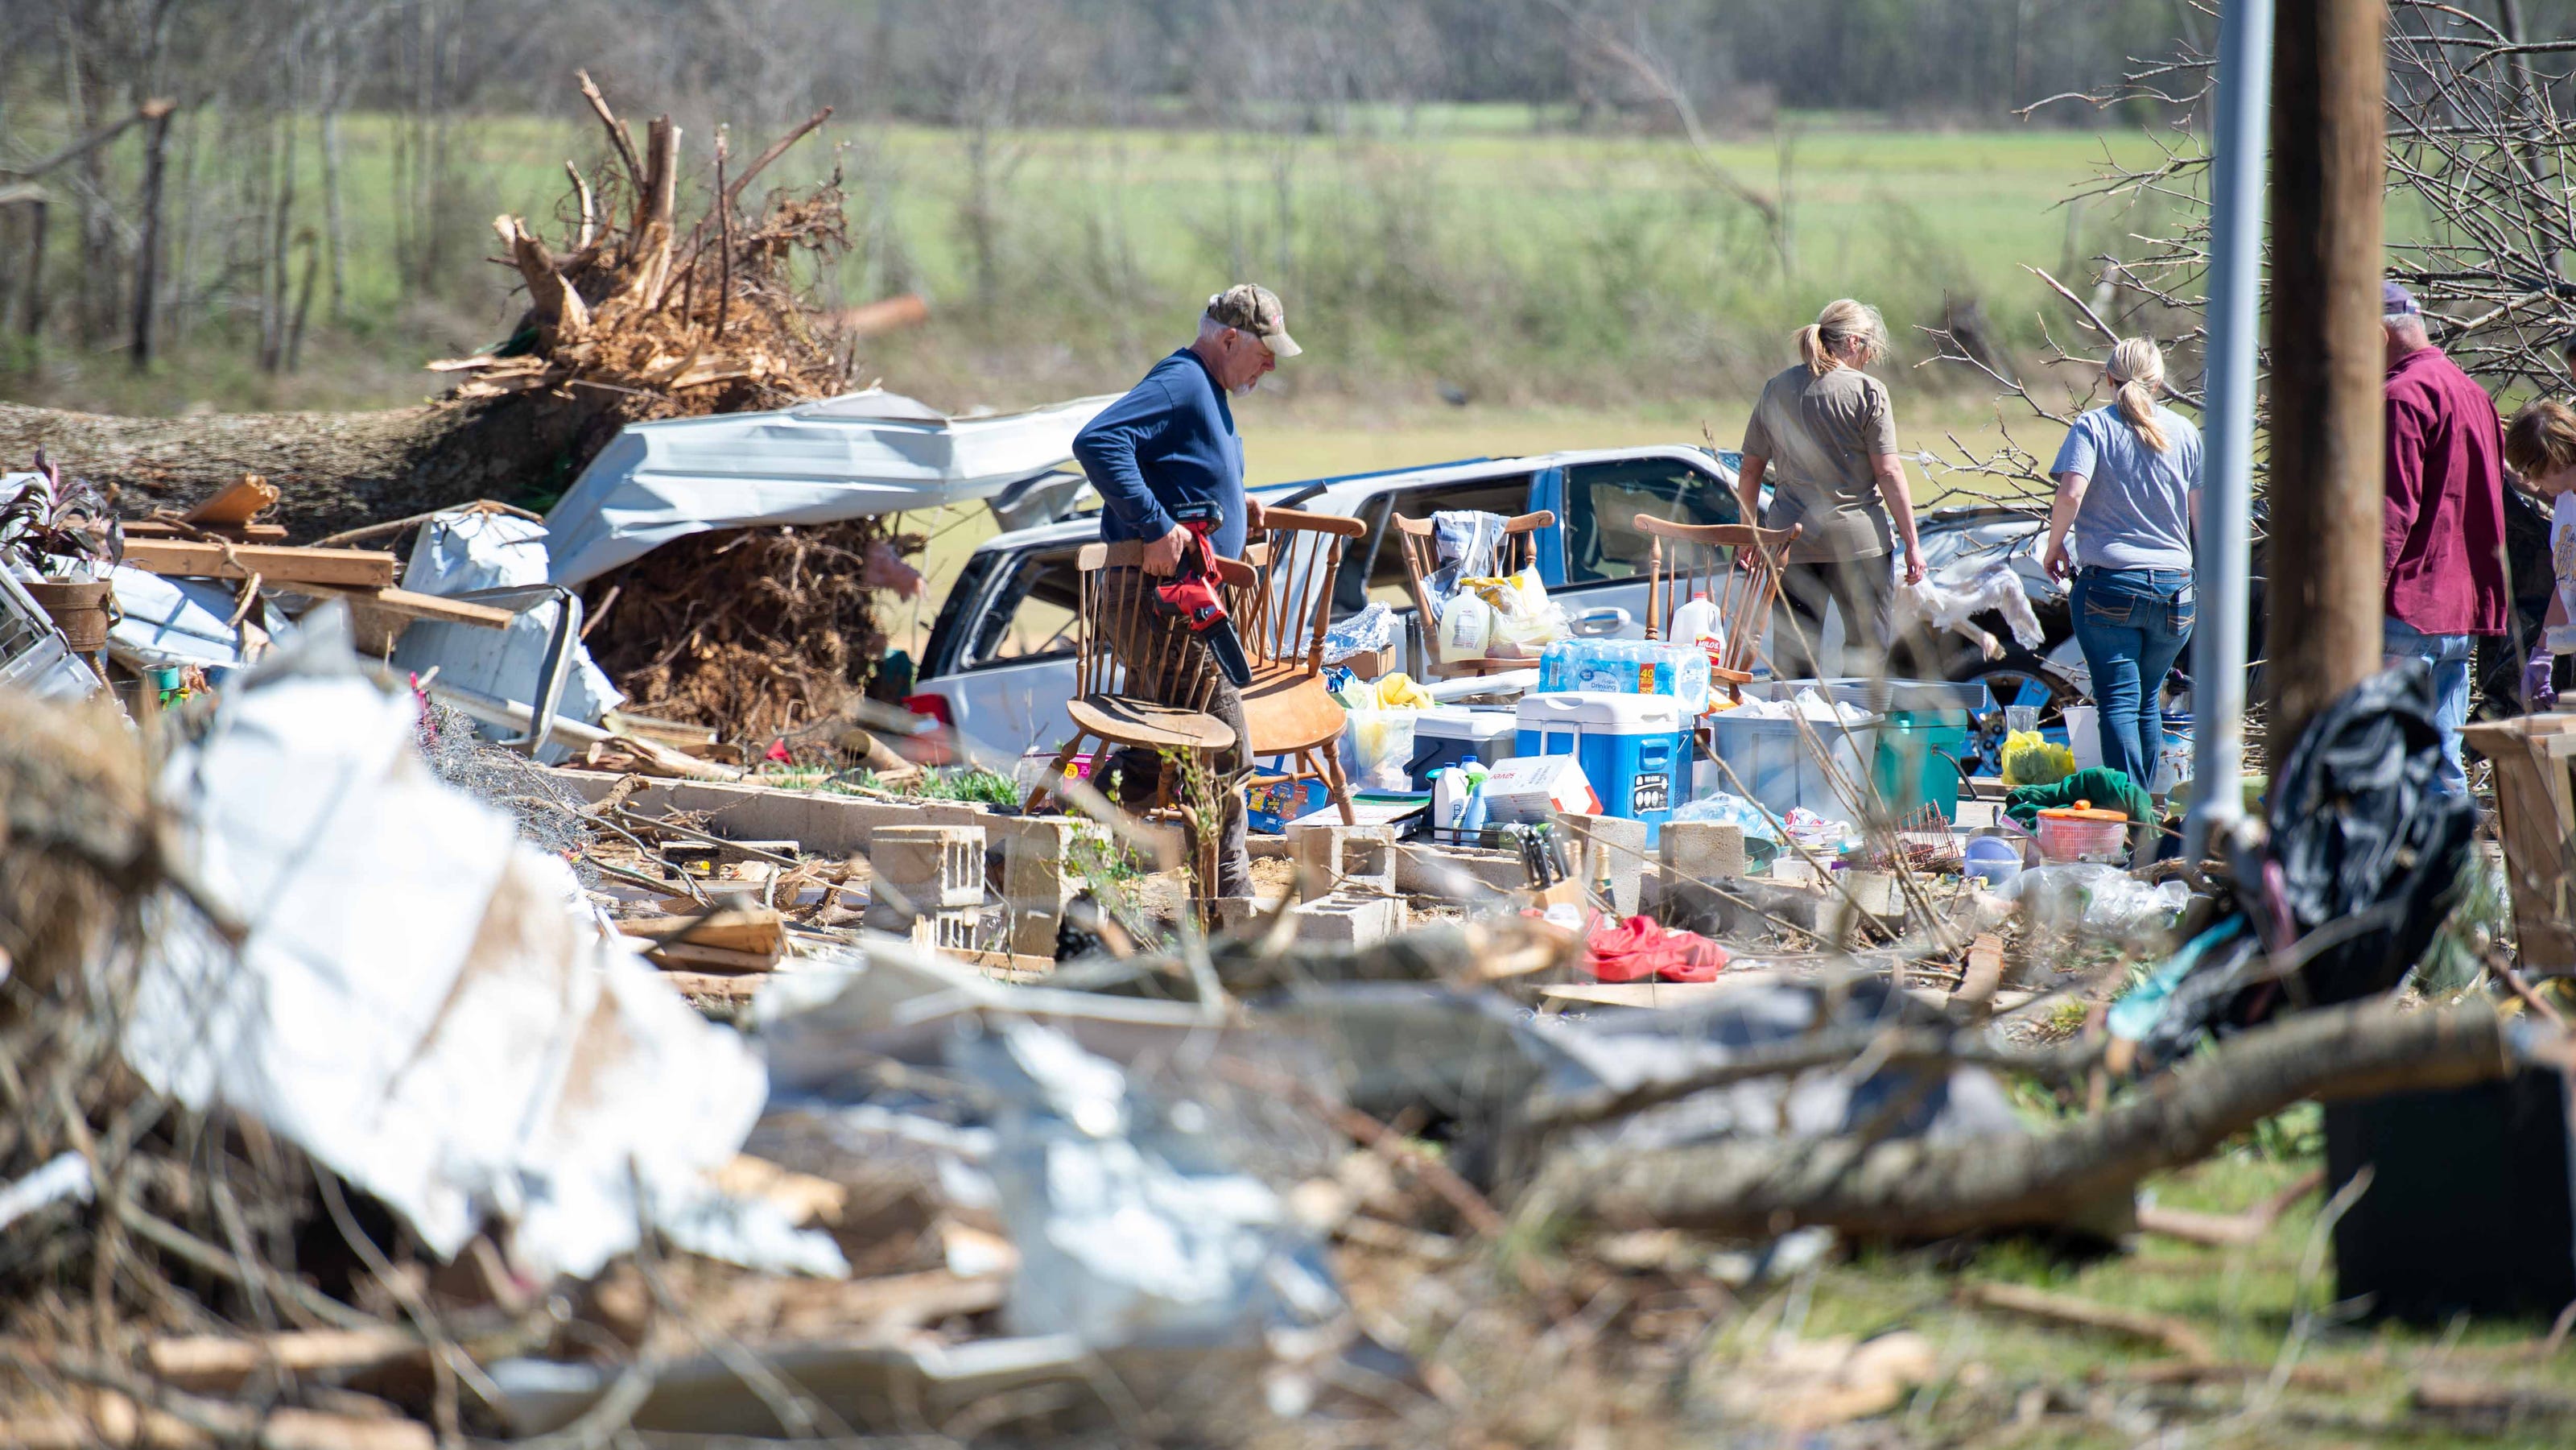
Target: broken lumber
235, 506
276, 565
409, 604
735, 990
720, 959
739, 929
1912, 1189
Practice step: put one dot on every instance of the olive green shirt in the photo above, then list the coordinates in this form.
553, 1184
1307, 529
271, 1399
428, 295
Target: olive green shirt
1823, 434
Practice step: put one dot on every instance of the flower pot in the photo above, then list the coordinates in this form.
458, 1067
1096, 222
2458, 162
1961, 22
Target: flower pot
79, 610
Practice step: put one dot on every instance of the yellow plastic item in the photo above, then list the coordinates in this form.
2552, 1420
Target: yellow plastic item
2031, 760
1397, 691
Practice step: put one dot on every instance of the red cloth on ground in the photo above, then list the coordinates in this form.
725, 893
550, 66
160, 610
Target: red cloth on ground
1641, 947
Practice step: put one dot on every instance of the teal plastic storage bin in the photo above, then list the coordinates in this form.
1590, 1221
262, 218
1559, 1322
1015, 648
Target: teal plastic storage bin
1917, 762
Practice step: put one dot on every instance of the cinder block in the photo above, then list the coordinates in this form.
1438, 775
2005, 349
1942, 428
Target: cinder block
933, 866
1357, 858
1348, 919
1876, 894
1038, 876
1704, 850
1455, 874
1593, 842
951, 929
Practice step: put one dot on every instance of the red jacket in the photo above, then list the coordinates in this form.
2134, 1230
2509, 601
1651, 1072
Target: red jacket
2445, 481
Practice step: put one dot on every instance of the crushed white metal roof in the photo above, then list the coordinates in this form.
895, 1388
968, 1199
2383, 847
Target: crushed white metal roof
865, 453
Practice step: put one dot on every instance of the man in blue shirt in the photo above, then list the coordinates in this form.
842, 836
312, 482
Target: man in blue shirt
1167, 449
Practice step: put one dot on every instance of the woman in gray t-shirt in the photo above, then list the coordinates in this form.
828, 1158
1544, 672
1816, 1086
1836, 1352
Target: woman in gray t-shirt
2128, 485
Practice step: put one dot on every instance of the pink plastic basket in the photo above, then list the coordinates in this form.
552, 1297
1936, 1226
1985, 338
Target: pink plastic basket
2083, 834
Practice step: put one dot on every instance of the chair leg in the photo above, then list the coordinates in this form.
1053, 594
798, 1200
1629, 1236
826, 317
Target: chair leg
1337, 788
1038, 792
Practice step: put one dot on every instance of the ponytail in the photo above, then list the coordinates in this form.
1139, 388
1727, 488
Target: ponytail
2137, 369
1842, 321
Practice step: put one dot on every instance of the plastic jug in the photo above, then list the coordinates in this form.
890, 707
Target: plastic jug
1693, 621
1466, 626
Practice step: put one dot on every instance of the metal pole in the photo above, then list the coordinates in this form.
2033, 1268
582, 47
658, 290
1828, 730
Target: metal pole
2241, 103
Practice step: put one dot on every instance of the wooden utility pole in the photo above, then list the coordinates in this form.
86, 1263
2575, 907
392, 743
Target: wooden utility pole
2329, 86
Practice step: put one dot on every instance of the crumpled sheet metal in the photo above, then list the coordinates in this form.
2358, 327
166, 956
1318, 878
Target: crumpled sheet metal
421, 1002
457, 552
1478, 1058
849, 457
184, 621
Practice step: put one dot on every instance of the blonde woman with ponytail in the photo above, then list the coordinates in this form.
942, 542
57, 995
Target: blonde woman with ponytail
2128, 486
1825, 435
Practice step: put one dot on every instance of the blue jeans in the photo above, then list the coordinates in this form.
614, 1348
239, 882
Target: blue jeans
2449, 656
2131, 624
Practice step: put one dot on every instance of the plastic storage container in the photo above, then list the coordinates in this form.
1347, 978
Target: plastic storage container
1446, 735
1917, 761
2081, 833
1635, 749
1779, 767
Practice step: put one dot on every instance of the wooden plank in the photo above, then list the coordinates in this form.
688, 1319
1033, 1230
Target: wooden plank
190, 559
735, 929
711, 987
713, 959
238, 533
407, 604
237, 504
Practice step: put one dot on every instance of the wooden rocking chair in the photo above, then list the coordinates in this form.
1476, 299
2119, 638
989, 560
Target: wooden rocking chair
1111, 703
1282, 618
1519, 550
1743, 588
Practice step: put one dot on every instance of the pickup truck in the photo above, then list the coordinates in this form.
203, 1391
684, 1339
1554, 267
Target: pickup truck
998, 666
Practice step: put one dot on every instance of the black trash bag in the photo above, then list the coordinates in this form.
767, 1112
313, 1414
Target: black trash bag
2368, 840
2362, 868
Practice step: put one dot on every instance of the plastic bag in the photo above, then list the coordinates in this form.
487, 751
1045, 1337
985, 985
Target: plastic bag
1727, 809
1523, 614
1377, 748
1397, 691
2103, 902
2031, 760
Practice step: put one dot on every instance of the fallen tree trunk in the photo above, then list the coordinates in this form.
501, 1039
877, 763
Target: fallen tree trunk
333, 471
1913, 1189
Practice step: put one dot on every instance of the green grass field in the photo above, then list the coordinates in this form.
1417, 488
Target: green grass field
1459, 249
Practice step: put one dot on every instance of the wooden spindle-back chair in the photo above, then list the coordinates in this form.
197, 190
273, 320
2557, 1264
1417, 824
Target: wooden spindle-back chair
1712, 557
1282, 618
1115, 703
1517, 551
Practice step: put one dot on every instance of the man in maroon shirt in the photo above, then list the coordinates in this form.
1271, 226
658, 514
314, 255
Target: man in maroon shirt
2445, 520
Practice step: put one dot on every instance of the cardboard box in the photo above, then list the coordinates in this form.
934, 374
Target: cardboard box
1536, 787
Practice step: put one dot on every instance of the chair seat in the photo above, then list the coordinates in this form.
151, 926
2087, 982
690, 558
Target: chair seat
1123, 721
1289, 710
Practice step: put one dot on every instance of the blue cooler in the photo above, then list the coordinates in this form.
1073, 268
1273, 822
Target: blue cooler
1447, 735
1635, 749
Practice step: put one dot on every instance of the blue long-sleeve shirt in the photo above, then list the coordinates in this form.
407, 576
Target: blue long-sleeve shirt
1169, 442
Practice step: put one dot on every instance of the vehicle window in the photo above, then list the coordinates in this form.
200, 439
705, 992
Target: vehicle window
1602, 501
1032, 614
1386, 577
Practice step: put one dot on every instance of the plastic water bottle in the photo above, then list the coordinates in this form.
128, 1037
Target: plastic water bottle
1556, 667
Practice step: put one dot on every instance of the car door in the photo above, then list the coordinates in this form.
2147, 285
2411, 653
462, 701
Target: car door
1605, 556
1013, 670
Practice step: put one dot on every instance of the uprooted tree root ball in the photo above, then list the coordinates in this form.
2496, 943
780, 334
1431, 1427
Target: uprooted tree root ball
755, 632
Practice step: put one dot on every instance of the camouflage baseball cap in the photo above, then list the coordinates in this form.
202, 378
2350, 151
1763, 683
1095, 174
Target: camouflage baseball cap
1254, 309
